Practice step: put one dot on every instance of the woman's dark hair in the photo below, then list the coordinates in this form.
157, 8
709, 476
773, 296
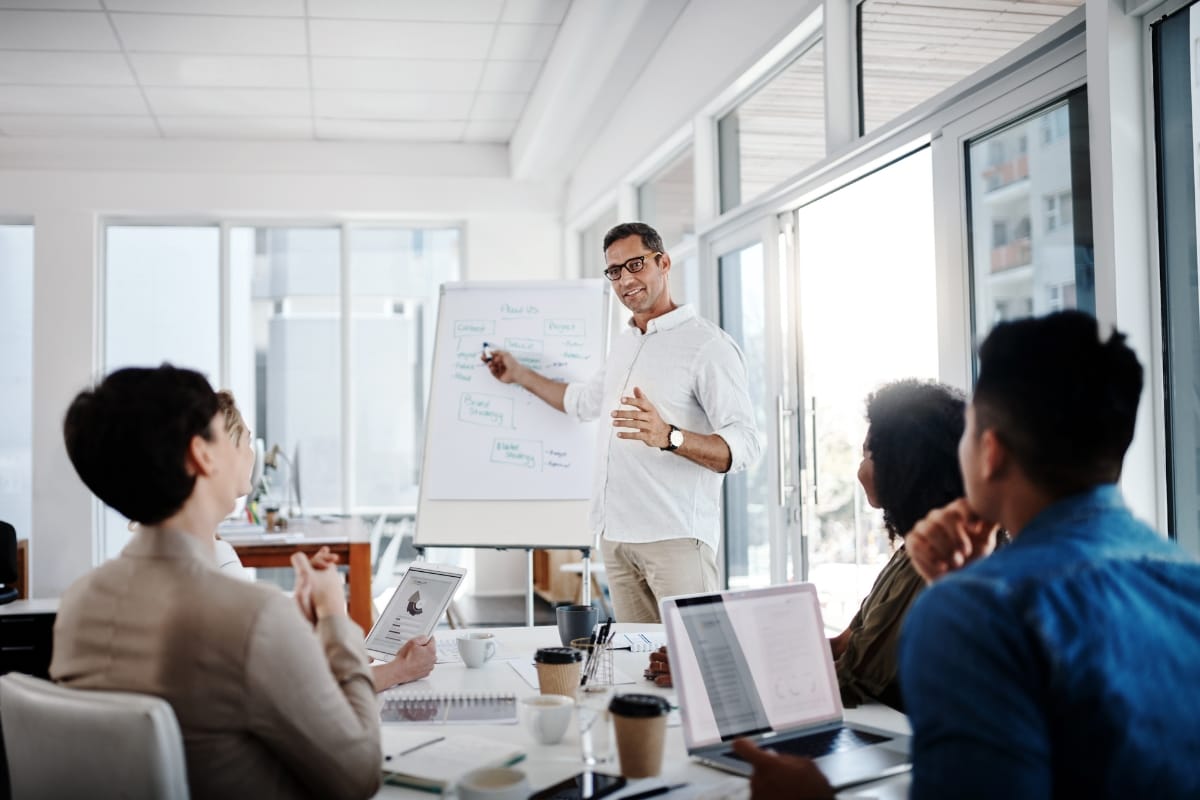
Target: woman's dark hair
128, 438
913, 438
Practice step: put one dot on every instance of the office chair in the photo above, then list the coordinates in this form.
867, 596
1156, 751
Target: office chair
67, 743
8, 563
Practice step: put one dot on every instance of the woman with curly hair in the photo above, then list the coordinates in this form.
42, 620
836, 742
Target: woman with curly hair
909, 467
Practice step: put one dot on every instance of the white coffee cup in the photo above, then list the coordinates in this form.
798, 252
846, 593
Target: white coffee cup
476, 648
546, 716
495, 783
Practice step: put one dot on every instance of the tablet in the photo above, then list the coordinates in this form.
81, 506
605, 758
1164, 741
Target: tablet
414, 610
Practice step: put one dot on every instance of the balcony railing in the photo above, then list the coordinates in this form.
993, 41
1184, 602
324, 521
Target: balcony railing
1000, 175
1016, 253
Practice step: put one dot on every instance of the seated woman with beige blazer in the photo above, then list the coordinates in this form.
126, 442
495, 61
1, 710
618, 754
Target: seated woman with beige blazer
272, 702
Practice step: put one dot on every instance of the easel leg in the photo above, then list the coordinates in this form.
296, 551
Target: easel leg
529, 588
585, 593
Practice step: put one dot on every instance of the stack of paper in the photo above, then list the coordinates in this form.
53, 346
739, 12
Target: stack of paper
425, 760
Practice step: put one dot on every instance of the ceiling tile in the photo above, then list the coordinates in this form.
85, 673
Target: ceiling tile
414, 106
165, 33
400, 39
55, 30
267, 72
542, 11
510, 76
389, 130
236, 127
238, 8
396, 74
71, 100
412, 10
64, 69
498, 106
489, 131
70, 125
57, 5
239, 102
523, 42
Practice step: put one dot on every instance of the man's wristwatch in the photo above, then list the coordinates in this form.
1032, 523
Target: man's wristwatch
674, 439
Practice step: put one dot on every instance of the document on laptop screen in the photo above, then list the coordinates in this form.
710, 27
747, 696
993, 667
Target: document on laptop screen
754, 664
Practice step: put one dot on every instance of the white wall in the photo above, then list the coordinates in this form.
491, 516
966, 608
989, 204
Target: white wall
512, 230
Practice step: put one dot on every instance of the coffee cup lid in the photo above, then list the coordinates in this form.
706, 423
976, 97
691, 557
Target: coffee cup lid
557, 655
639, 705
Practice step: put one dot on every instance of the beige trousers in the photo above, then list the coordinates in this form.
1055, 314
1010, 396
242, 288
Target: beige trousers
641, 574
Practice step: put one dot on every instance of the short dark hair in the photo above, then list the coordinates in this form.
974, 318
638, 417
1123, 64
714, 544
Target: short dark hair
1062, 401
650, 238
913, 437
128, 438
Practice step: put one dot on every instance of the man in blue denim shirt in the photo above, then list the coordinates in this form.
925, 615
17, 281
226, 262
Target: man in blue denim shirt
1066, 663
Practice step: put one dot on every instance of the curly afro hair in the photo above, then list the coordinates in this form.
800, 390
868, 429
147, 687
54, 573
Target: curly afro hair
913, 438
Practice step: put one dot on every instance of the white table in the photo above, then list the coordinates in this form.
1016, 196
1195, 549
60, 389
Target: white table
546, 765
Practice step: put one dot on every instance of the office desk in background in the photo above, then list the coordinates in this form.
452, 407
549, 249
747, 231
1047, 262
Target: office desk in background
347, 537
546, 765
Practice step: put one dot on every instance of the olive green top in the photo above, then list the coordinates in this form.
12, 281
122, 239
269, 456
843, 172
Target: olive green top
868, 667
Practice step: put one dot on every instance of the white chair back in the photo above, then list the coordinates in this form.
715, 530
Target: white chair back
67, 743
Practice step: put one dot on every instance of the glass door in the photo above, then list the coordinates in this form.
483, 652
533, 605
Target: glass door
868, 310
760, 507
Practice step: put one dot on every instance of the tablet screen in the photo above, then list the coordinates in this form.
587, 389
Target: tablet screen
415, 608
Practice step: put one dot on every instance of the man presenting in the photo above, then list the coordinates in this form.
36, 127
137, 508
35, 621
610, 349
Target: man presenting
675, 388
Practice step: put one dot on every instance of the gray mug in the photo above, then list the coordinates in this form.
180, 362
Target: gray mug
576, 622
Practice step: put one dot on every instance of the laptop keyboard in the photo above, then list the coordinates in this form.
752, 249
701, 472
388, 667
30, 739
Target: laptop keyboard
822, 744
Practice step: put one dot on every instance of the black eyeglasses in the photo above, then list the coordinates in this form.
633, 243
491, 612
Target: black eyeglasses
634, 265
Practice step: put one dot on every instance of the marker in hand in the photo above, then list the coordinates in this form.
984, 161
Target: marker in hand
487, 353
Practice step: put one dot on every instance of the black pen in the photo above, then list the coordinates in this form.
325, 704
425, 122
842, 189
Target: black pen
654, 792
422, 744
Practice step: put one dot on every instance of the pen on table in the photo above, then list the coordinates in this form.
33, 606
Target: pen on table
487, 354
418, 747
654, 792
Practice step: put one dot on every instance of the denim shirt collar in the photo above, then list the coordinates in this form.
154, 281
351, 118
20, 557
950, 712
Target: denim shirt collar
1053, 518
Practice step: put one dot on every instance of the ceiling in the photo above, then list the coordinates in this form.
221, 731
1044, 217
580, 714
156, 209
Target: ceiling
390, 70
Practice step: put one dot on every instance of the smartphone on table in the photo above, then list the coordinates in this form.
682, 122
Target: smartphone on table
584, 786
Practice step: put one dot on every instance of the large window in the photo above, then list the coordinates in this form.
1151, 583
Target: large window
1030, 216
16, 376
162, 303
1177, 100
775, 133
909, 50
868, 316
284, 343
666, 201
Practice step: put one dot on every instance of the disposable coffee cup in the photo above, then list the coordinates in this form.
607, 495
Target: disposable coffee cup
575, 622
640, 721
558, 670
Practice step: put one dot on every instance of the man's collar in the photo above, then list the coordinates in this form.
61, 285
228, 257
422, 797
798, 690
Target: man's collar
665, 322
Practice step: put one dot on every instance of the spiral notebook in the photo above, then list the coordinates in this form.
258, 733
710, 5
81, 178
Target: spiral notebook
401, 706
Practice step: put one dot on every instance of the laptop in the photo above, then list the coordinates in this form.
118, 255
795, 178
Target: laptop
418, 603
756, 664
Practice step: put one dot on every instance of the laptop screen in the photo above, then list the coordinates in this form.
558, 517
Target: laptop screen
750, 662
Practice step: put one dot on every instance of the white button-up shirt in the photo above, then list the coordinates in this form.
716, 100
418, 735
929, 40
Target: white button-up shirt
695, 375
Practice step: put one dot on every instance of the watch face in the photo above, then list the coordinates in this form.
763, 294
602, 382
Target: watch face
676, 438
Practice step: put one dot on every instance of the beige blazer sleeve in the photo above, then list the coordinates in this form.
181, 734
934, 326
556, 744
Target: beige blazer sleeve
311, 700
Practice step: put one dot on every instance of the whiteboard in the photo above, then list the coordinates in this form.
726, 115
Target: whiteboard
501, 468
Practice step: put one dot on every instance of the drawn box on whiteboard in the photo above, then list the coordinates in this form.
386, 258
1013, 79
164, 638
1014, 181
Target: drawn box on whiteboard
474, 327
564, 327
525, 453
522, 347
485, 409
